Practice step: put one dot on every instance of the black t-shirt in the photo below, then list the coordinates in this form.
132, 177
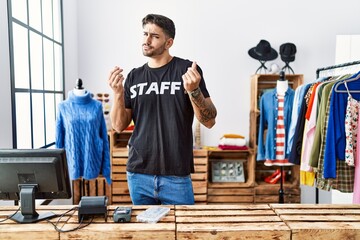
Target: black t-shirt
162, 140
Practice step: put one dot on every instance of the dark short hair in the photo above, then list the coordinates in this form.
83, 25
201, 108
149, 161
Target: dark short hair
163, 22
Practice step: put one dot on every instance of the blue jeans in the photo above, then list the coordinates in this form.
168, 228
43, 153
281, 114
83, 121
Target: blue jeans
148, 189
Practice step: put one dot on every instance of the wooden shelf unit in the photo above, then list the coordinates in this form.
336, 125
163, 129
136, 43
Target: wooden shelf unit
265, 192
232, 192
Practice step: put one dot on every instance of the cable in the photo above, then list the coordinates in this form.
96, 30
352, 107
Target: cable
69, 230
10, 216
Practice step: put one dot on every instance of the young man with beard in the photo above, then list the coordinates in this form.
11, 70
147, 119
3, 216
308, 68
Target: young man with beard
161, 97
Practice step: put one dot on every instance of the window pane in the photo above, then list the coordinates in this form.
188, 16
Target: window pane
58, 99
44, 55
50, 117
23, 120
38, 120
58, 68
57, 20
21, 64
35, 14
19, 10
47, 16
36, 61
48, 64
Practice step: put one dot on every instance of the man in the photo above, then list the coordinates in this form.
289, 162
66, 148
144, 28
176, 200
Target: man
161, 97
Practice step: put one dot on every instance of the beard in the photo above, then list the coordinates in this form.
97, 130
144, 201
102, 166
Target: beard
152, 52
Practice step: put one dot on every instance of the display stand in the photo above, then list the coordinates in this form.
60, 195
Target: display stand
281, 190
262, 66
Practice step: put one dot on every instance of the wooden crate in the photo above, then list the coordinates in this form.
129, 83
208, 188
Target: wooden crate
200, 177
259, 84
320, 221
229, 222
269, 193
120, 190
232, 192
94, 187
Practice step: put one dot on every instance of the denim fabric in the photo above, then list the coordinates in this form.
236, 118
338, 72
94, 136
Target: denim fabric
146, 189
268, 118
299, 95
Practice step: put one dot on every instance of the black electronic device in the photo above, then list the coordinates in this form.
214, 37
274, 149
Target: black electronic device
29, 174
90, 206
122, 214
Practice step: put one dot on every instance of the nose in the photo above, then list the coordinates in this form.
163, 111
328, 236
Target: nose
147, 40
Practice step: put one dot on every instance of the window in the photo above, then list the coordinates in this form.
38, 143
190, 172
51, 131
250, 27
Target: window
37, 72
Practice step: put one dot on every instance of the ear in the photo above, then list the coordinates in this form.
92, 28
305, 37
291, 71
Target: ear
169, 43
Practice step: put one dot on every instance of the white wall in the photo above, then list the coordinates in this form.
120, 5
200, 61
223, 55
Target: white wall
5, 89
218, 35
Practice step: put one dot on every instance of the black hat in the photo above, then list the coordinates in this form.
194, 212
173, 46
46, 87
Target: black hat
287, 52
263, 51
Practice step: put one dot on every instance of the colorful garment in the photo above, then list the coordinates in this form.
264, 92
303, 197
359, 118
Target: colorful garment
351, 126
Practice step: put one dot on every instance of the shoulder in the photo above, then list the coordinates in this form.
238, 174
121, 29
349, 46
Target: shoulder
180, 63
138, 70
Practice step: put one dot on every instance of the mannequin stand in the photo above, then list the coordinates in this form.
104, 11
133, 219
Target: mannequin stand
281, 190
262, 66
287, 66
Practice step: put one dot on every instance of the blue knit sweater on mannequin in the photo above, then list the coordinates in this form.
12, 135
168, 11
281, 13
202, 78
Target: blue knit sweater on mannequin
81, 131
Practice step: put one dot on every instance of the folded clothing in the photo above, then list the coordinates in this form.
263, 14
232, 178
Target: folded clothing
230, 147
233, 141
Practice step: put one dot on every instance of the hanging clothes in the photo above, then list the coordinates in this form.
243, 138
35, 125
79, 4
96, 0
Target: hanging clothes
351, 126
356, 195
81, 130
299, 95
296, 148
335, 143
320, 124
307, 175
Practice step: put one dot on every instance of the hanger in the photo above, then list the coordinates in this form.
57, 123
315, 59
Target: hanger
347, 81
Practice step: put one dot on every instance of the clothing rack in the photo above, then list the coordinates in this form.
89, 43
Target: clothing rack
331, 70
334, 67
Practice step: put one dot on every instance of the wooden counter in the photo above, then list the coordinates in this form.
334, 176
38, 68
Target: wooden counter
98, 229
243, 221
322, 221
229, 222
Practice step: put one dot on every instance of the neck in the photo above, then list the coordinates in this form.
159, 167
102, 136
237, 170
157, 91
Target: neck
156, 62
79, 92
282, 86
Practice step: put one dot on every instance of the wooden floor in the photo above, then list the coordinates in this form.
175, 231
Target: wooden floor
241, 221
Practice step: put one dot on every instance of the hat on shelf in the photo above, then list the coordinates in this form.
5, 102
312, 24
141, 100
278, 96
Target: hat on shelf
287, 52
263, 51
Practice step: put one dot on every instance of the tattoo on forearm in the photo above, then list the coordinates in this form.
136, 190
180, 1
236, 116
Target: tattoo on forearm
207, 111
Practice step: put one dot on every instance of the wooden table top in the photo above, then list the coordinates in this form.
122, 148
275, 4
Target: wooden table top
240, 221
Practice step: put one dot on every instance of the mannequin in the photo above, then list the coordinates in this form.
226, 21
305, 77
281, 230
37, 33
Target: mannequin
79, 90
282, 84
81, 131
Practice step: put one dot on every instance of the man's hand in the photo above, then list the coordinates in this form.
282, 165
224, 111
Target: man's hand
116, 79
191, 78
